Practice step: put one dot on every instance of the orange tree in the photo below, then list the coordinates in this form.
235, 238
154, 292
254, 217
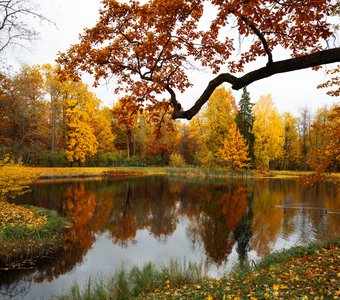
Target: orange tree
148, 47
325, 159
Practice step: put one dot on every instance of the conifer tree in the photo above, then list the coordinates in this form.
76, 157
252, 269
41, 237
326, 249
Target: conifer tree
245, 120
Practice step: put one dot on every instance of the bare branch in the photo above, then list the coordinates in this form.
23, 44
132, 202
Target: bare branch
15, 22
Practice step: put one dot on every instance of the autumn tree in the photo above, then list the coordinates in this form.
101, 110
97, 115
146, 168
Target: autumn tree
317, 132
24, 112
41, 117
81, 141
164, 136
268, 131
29, 83
214, 124
6, 110
192, 140
325, 158
141, 137
291, 146
102, 129
76, 122
148, 47
189, 143
245, 121
57, 94
304, 127
126, 114
234, 153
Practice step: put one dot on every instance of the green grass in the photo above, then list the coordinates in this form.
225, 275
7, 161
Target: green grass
21, 245
138, 282
203, 172
310, 272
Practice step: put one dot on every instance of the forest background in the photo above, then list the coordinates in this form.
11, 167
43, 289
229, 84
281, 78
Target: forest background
45, 121
48, 122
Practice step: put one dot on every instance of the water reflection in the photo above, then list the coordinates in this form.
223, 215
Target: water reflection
217, 216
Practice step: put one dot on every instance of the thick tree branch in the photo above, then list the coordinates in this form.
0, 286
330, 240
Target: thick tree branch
283, 66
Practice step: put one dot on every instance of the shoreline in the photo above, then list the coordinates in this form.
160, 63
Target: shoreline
47, 175
311, 270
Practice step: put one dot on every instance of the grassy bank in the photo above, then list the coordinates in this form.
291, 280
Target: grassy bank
298, 273
25, 175
27, 233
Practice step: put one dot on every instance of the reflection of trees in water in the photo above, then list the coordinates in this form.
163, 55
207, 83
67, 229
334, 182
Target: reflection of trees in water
267, 218
213, 211
221, 214
243, 231
218, 215
140, 206
299, 216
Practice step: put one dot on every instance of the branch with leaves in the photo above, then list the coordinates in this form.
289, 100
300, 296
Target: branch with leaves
149, 47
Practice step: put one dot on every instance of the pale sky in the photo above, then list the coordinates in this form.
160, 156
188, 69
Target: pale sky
290, 91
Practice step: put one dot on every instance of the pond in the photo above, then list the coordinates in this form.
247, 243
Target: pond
159, 218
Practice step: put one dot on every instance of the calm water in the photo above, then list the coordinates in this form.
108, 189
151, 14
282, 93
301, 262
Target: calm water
133, 221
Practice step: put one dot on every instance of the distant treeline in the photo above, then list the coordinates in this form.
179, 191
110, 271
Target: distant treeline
48, 122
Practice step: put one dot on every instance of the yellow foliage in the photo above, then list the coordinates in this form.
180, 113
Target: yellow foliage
268, 131
213, 124
16, 215
176, 160
81, 140
15, 180
235, 151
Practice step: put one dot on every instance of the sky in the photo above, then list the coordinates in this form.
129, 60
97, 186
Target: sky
290, 91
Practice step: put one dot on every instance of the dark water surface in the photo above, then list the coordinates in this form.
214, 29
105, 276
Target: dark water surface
133, 221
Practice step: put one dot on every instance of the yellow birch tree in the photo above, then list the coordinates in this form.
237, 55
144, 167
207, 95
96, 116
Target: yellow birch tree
268, 131
291, 146
215, 122
81, 140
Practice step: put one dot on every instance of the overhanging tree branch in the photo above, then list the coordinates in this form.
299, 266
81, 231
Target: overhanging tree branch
293, 64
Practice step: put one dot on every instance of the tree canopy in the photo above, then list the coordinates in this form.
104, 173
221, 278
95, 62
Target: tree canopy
148, 47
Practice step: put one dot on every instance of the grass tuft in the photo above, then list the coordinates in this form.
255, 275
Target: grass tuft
139, 281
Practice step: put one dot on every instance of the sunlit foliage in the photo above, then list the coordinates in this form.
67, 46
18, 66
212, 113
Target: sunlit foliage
291, 145
268, 131
15, 180
325, 158
213, 125
234, 153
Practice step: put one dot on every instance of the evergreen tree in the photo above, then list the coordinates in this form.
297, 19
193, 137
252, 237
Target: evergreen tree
245, 120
